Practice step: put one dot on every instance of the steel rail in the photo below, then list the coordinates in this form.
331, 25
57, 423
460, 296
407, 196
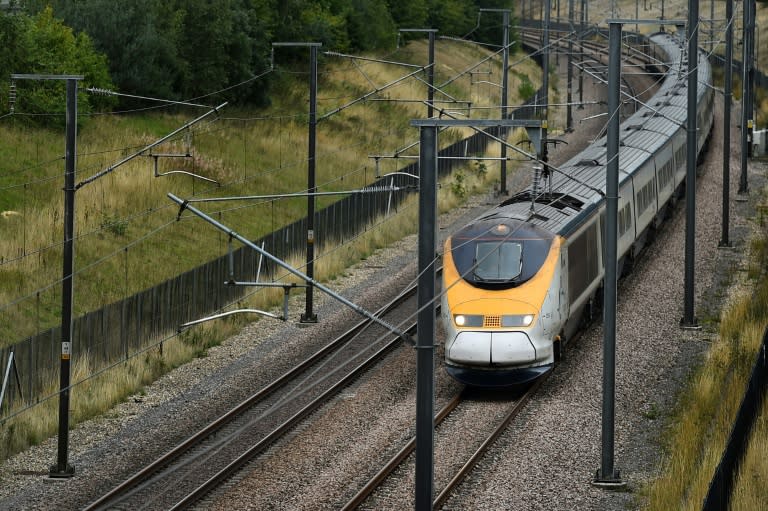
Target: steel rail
408, 449
397, 459
403, 454
470, 464
224, 474
156, 466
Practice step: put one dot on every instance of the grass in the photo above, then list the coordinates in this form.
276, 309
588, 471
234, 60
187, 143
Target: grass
749, 488
128, 238
95, 392
699, 430
95, 395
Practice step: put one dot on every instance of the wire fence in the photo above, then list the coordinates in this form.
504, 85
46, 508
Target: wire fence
121, 329
721, 486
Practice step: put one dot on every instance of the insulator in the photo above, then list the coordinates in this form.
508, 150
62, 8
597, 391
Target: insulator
100, 92
546, 176
535, 185
12, 97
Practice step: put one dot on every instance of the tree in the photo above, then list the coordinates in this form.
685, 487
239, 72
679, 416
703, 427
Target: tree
411, 14
370, 25
312, 21
491, 29
142, 51
452, 17
44, 45
178, 49
185, 49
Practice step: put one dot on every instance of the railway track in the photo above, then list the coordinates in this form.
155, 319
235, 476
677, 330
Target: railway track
592, 56
206, 459
404, 461
388, 490
199, 465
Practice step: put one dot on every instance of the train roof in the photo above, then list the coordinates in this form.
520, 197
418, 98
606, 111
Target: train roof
578, 186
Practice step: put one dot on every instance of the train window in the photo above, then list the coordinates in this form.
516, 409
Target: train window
583, 261
625, 219
680, 156
498, 262
645, 197
500, 253
665, 175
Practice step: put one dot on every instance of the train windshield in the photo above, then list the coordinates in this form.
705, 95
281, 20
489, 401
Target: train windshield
498, 262
500, 253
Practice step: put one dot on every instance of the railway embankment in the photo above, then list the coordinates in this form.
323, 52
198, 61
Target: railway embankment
545, 460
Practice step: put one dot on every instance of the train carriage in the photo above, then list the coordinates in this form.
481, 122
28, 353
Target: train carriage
520, 280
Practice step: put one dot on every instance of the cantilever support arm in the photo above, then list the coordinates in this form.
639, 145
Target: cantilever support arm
184, 205
114, 166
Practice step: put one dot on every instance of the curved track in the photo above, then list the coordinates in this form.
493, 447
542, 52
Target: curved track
212, 455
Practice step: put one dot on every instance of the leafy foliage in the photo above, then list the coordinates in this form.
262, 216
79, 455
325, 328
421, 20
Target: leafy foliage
370, 25
411, 14
526, 89
44, 45
185, 49
454, 17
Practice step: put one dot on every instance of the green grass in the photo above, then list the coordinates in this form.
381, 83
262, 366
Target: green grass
129, 239
247, 152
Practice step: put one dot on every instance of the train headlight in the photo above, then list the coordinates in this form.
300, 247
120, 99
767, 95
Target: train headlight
468, 320
508, 320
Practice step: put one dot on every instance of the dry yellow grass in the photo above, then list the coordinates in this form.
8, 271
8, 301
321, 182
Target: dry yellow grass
749, 488
124, 208
128, 239
699, 431
95, 392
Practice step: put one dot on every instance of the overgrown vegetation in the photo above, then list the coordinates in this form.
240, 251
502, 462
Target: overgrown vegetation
176, 49
128, 236
699, 430
749, 488
526, 89
97, 392
94, 395
42, 44
128, 239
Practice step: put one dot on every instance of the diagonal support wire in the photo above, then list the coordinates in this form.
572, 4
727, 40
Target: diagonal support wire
184, 205
7, 377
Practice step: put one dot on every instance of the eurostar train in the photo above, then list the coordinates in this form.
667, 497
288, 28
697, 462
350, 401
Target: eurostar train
520, 280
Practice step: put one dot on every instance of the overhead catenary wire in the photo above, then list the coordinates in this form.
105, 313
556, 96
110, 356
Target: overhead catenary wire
107, 92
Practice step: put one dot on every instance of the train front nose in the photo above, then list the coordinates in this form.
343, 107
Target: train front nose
492, 348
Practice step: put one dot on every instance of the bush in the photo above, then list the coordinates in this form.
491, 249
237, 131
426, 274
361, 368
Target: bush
526, 90
44, 45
